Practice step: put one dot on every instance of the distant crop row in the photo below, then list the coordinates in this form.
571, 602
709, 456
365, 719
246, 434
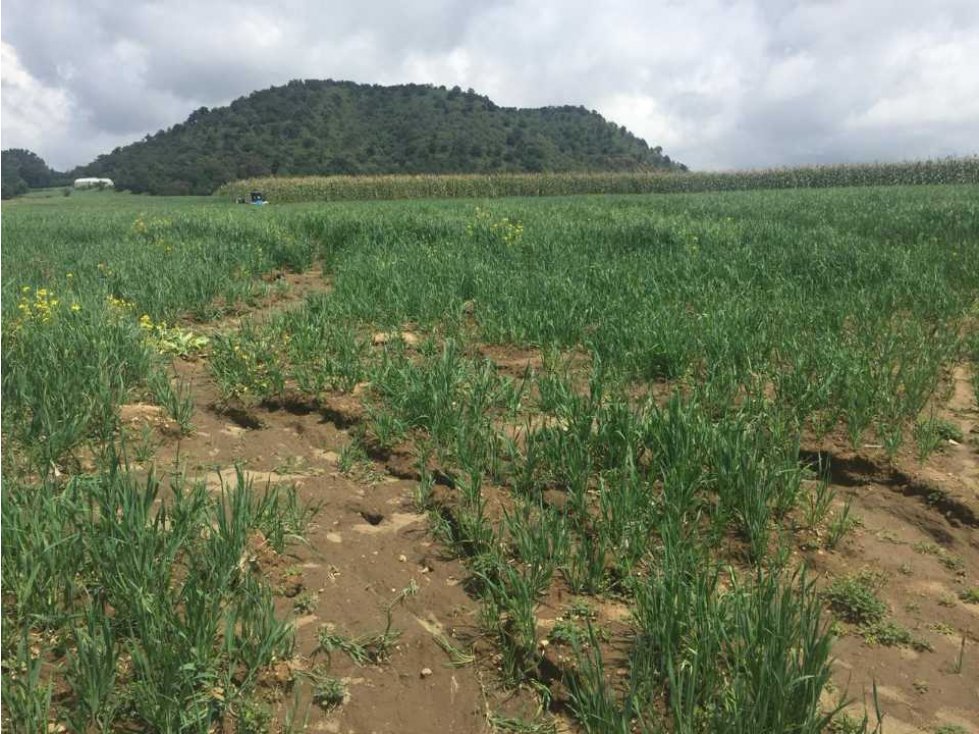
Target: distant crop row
349, 188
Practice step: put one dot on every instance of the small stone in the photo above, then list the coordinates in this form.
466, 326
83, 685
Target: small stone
402, 558
426, 672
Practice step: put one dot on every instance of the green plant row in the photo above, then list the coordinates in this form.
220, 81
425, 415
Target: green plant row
490, 185
142, 596
672, 354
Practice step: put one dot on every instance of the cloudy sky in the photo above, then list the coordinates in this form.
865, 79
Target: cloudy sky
718, 83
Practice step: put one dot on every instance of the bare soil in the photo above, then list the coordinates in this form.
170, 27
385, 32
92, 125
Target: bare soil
918, 524
367, 544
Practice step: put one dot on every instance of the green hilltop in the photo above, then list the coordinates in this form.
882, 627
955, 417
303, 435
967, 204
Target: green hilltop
333, 127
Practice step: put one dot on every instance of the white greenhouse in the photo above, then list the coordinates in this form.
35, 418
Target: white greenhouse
93, 183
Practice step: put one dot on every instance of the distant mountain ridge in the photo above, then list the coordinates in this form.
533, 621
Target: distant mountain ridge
327, 127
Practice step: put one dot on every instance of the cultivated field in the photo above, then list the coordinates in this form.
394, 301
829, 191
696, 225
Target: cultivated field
680, 463
295, 189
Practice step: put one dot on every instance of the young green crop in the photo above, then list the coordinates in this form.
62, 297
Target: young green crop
673, 353
141, 594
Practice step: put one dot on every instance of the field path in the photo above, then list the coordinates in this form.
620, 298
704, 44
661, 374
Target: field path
367, 544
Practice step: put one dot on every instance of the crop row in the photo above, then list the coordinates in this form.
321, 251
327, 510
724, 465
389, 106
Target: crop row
449, 186
687, 355
165, 627
681, 349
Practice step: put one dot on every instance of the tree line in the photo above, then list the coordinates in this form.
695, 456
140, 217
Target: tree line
22, 170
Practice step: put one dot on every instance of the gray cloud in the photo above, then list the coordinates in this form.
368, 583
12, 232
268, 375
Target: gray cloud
717, 83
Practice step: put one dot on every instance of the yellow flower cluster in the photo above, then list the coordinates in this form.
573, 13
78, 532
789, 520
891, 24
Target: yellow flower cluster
119, 305
255, 369
507, 230
36, 306
39, 305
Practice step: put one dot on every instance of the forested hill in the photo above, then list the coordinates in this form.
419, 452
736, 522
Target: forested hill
329, 127
21, 170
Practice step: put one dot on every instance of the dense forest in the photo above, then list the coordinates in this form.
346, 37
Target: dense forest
22, 170
330, 127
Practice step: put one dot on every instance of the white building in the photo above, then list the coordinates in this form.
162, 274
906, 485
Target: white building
93, 183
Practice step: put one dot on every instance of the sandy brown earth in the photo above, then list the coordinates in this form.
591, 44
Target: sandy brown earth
367, 544
917, 524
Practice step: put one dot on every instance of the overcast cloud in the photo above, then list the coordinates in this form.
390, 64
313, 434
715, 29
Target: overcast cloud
718, 83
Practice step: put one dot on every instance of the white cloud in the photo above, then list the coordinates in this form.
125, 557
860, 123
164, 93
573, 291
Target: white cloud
638, 111
29, 107
717, 83
944, 86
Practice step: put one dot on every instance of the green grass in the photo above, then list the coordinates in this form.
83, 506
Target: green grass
951, 729
854, 599
137, 595
750, 319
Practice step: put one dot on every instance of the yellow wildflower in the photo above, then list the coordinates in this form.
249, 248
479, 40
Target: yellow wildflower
119, 304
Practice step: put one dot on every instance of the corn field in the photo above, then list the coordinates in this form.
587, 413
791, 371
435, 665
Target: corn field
349, 188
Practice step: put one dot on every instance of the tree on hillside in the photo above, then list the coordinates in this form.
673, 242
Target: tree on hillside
23, 170
316, 127
11, 183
